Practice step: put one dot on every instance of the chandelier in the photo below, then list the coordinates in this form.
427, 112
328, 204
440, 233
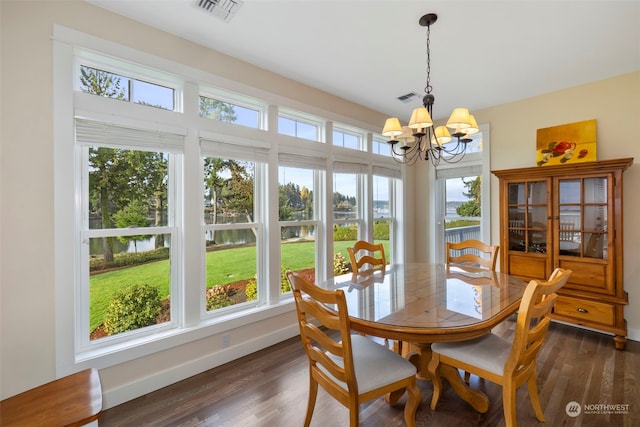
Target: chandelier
419, 140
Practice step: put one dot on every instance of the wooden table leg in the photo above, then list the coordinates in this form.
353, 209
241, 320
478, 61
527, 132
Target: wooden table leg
420, 355
475, 398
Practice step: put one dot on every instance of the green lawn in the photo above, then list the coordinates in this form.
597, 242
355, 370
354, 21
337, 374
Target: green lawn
223, 267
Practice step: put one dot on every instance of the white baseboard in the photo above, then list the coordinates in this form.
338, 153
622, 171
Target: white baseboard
158, 380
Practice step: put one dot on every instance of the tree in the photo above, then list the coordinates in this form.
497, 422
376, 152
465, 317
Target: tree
217, 110
133, 215
471, 207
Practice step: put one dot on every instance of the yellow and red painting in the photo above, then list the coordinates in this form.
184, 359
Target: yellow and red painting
566, 144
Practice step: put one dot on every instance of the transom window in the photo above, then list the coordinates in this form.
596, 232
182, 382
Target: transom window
116, 86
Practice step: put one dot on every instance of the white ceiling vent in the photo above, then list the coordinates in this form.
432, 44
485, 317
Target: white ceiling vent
223, 9
408, 97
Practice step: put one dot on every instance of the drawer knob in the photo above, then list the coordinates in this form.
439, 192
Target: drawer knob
582, 310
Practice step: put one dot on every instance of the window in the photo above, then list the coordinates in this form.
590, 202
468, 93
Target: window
347, 138
463, 198
111, 85
298, 184
299, 125
380, 146
127, 215
171, 218
347, 211
244, 112
231, 232
383, 211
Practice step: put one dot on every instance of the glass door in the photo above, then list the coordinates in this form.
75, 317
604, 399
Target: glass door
582, 217
528, 214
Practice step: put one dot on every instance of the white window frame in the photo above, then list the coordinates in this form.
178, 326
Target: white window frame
473, 164
259, 156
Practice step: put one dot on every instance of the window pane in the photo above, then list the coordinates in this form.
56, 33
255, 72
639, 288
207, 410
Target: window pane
230, 252
133, 290
298, 252
111, 85
298, 128
307, 131
381, 199
295, 194
228, 191
127, 188
103, 83
152, 95
286, 126
344, 236
382, 234
462, 207
346, 140
381, 147
230, 271
345, 192
226, 112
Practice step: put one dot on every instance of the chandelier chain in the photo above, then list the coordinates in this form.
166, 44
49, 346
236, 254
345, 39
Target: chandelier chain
428, 88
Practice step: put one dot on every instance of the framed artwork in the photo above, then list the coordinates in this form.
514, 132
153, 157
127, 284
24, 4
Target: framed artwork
566, 144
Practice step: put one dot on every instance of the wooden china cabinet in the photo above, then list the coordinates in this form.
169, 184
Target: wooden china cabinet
569, 216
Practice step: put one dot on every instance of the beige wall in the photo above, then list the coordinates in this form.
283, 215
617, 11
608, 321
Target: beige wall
27, 346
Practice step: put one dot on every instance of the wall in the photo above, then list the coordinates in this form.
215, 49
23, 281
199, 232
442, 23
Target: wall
27, 322
614, 104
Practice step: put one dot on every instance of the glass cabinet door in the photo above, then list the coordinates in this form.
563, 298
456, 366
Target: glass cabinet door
528, 216
582, 219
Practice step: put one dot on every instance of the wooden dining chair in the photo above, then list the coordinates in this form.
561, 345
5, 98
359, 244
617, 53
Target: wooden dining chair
351, 368
473, 252
509, 364
364, 254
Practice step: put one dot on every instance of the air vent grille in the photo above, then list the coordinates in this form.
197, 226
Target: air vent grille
408, 97
223, 9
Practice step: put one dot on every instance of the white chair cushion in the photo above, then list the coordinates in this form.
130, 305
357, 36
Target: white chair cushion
489, 352
375, 365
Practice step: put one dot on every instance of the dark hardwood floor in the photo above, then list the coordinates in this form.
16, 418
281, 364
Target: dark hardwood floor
269, 388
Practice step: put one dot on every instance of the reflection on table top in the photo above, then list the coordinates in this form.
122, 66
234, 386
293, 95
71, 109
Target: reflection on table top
428, 298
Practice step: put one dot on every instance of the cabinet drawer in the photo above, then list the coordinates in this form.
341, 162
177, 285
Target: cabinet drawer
588, 311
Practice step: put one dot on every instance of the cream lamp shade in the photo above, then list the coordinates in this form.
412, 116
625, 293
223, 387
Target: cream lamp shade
474, 126
420, 119
442, 135
392, 127
459, 119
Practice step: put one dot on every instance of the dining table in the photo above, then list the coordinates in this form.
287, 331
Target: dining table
417, 304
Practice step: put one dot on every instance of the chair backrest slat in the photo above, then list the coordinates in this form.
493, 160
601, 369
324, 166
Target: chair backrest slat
470, 252
364, 253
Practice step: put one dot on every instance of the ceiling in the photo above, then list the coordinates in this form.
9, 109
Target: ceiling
483, 53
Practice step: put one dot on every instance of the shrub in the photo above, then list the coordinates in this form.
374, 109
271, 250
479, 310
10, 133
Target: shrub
220, 296
251, 290
129, 259
340, 265
342, 233
381, 230
133, 307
